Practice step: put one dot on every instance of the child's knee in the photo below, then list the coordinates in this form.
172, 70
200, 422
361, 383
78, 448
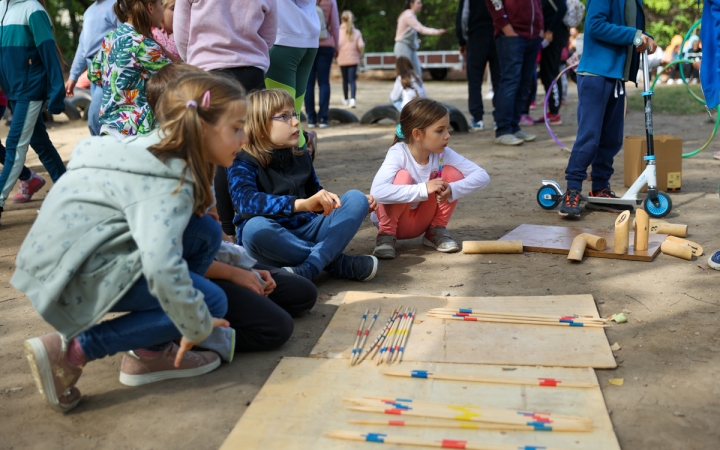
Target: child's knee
284, 327
403, 177
257, 228
356, 199
451, 174
205, 230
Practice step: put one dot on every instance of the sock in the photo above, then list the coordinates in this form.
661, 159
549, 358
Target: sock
75, 354
145, 353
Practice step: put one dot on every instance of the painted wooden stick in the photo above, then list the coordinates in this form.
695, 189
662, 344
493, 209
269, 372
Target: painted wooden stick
380, 336
407, 334
381, 438
364, 338
386, 332
395, 350
521, 322
461, 425
392, 335
357, 336
566, 319
499, 313
549, 382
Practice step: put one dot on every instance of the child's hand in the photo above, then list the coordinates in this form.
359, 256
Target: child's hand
323, 200
373, 203
247, 279
270, 284
70, 88
648, 44
186, 345
443, 195
435, 185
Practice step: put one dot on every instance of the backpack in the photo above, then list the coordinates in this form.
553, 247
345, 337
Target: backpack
323, 24
575, 12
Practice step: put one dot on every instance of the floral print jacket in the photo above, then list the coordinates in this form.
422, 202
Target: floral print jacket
125, 62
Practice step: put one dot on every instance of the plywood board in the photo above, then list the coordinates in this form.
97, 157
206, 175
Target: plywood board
438, 340
302, 400
549, 239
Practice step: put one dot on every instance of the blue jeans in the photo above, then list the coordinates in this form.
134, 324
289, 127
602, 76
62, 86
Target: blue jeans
349, 76
320, 71
601, 119
318, 242
517, 57
94, 110
25, 174
147, 325
481, 51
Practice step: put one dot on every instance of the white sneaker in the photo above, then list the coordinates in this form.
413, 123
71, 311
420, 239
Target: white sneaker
508, 139
352, 103
670, 81
490, 95
345, 102
525, 136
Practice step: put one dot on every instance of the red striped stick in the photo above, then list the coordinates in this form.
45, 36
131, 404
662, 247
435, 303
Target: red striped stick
374, 345
357, 336
356, 355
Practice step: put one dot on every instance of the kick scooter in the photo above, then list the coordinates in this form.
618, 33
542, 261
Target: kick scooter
657, 204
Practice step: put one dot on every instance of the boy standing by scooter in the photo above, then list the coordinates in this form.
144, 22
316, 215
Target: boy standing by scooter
614, 39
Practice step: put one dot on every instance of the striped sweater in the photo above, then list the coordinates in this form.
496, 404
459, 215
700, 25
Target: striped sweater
29, 63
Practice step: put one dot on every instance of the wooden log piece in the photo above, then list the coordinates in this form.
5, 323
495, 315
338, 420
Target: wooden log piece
696, 248
475, 247
673, 229
577, 249
642, 230
622, 234
678, 250
594, 242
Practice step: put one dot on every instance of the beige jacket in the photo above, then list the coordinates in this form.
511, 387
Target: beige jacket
351, 49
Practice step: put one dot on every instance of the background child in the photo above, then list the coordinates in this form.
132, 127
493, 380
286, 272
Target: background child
349, 54
320, 71
98, 20
421, 180
119, 249
276, 193
164, 36
129, 57
408, 85
611, 56
30, 75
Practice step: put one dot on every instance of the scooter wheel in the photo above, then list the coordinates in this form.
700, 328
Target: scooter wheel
661, 209
548, 197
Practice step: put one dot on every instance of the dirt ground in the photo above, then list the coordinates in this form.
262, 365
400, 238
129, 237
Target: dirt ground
670, 354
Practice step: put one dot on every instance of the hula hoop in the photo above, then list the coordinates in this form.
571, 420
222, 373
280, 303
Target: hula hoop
682, 71
547, 97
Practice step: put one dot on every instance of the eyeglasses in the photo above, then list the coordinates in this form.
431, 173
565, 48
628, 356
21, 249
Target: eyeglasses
287, 118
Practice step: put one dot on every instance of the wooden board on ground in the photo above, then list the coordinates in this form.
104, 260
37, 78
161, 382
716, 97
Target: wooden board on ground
438, 340
549, 239
302, 400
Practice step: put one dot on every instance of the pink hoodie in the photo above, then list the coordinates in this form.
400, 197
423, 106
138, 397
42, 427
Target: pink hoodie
220, 34
351, 49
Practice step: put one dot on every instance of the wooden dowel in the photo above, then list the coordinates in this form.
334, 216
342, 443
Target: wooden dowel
372, 347
696, 248
523, 322
388, 338
424, 442
577, 249
407, 334
357, 336
391, 348
673, 229
525, 318
383, 336
545, 382
461, 425
678, 250
642, 230
364, 338
500, 313
482, 247
622, 233
594, 242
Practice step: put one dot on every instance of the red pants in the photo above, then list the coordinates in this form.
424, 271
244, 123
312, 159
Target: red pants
405, 223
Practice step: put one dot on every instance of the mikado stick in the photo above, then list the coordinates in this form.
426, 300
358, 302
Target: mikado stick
364, 338
563, 319
407, 334
381, 438
517, 321
547, 382
392, 335
461, 311
373, 346
385, 332
461, 425
357, 336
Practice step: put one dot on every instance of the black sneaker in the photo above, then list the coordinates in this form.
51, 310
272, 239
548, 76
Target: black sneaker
570, 207
606, 193
359, 268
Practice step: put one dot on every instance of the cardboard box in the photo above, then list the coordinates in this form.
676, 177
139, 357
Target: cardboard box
668, 158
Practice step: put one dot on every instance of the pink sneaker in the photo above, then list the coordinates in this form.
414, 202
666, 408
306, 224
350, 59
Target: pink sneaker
26, 189
533, 105
526, 120
136, 370
54, 376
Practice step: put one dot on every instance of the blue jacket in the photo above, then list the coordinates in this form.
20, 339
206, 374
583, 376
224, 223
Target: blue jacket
99, 19
29, 62
607, 38
709, 67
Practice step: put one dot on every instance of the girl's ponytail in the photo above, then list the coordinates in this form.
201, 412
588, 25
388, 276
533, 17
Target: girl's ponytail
419, 114
181, 112
135, 11
347, 19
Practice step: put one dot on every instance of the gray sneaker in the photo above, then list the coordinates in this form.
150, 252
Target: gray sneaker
385, 246
525, 136
508, 139
439, 239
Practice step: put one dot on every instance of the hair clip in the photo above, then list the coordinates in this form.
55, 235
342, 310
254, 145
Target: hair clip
206, 99
190, 103
398, 131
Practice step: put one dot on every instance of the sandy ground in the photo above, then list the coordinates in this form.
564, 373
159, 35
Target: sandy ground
669, 357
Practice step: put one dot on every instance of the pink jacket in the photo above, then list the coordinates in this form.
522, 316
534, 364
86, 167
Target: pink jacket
408, 20
332, 22
350, 50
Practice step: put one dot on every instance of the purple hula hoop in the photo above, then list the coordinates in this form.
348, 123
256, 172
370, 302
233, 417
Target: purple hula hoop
547, 97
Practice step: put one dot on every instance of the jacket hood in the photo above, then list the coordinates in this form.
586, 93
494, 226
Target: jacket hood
130, 155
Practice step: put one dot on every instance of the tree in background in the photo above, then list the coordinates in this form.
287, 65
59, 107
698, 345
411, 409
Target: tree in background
666, 18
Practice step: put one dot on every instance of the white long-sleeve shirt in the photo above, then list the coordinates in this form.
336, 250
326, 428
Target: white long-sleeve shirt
399, 158
400, 93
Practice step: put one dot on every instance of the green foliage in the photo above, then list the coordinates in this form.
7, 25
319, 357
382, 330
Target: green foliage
666, 18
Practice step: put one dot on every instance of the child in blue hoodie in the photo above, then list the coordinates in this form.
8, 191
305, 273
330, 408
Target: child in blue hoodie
614, 39
30, 74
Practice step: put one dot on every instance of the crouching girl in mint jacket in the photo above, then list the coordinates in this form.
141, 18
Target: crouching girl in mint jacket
123, 231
